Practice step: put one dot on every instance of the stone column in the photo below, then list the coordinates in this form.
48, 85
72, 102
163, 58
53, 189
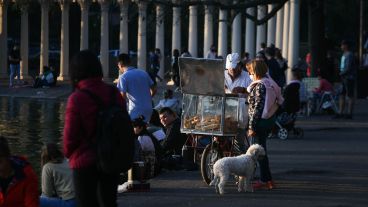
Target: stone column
24, 40
3, 38
193, 33
44, 53
279, 28
208, 29
160, 37
176, 28
222, 34
293, 53
271, 27
261, 29
123, 36
64, 48
285, 33
142, 36
84, 5
104, 48
236, 34
250, 34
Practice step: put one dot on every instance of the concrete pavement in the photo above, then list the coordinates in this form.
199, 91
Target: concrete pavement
328, 167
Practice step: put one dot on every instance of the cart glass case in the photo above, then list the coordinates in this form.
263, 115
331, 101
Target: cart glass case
206, 107
213, 115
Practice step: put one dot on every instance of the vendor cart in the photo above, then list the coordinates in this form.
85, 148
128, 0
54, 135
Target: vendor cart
208, 111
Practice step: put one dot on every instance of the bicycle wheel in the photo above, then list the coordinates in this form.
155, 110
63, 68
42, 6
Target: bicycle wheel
209, 157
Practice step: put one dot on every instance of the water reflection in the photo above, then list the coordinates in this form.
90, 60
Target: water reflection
29, 123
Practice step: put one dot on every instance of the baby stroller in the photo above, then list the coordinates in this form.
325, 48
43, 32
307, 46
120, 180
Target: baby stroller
287, 113
285, 123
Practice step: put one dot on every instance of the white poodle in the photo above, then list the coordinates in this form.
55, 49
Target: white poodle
243, 166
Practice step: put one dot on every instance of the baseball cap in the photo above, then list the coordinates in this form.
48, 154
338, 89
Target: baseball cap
232, 60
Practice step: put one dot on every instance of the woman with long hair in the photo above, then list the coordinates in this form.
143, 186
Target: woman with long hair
92, 186
57, 182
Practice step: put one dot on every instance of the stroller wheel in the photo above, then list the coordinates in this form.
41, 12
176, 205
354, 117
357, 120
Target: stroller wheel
299, 132
282, 133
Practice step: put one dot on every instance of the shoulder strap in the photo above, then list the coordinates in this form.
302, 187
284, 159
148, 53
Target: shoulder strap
94, 97
97, 99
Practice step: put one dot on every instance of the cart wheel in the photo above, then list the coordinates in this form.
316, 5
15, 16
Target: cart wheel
282, 133
209, 157
299, 132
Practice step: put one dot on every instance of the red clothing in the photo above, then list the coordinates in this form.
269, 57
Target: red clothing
80, 121
324, 86
308, 60
23, 188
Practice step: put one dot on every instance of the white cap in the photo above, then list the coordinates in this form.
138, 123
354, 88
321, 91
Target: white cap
232, 60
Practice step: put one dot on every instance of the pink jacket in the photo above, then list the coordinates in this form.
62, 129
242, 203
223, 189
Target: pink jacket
273, 96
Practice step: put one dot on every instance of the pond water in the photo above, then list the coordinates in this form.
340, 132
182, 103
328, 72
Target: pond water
29, 123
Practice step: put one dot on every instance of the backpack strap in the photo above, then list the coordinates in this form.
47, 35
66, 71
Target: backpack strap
98, 100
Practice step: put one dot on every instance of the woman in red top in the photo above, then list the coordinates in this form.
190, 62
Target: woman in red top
18, 182
92, 187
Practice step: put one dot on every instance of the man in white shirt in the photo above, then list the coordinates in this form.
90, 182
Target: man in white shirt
236, 80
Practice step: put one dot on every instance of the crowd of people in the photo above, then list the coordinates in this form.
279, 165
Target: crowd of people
71, 177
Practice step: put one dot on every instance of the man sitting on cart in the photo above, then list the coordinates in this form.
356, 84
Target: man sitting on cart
236, 82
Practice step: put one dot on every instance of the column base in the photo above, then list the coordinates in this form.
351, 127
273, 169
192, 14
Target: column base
63, 78
26, 79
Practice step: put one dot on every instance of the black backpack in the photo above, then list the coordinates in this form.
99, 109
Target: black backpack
115, 136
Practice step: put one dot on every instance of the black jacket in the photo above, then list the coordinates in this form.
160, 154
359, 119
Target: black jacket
174, 140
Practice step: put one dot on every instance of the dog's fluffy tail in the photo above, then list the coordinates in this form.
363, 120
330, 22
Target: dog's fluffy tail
214, 181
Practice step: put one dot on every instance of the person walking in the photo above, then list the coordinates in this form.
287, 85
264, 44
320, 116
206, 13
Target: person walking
14, 61
155, 57
57, 180
18, 181
348, 76
93, 187
135, 86
264, 100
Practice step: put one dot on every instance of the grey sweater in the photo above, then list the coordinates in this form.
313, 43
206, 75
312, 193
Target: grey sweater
57, 180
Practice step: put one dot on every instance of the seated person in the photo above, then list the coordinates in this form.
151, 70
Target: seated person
169, 101
47, 79
291, 96
155, 127
18, 182
151, 151
174, 139
57, 182
324, 86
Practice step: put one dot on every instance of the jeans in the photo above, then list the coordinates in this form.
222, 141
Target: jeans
14, 71
94, 188
56, 202
261, 139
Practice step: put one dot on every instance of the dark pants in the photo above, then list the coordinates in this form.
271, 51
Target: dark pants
94, 188
263, 129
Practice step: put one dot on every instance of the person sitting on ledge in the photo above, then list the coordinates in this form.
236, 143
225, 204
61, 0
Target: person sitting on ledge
57, 181
47, 79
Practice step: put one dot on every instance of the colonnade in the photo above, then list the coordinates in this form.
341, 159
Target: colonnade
281, 30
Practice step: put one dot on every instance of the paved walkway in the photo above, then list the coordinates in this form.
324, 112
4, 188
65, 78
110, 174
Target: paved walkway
328, 167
